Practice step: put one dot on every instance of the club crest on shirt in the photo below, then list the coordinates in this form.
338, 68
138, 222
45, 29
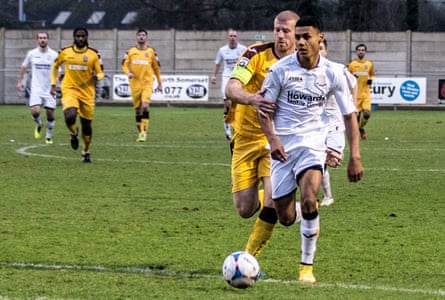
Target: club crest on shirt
146, 54
85, 58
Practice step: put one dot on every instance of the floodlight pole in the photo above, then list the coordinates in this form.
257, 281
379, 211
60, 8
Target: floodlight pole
21, 12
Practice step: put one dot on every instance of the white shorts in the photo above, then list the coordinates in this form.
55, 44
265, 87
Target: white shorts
47, 100
336, 139
284, 174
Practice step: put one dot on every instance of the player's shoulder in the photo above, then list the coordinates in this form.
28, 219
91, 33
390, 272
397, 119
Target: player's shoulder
257, 48
93, 50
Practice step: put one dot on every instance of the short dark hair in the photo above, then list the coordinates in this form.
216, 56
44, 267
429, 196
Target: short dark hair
80, 29
361, 45
309, 21
141, 30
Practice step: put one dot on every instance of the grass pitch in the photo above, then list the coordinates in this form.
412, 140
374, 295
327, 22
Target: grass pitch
155, 220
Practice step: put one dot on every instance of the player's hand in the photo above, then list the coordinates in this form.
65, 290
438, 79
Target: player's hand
213, 79
262, 105
130, 75
53, 90
369, 81
20, 86
159, 88
355, 169
333, 158
277, 151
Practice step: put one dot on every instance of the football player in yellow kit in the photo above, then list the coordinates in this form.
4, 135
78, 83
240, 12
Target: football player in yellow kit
83, 68
251, 156
363, 70
140, 64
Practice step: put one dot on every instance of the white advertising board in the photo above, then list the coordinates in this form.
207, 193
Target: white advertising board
174, 88
399, 90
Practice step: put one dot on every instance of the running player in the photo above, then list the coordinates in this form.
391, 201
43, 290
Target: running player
83, 68
227, 55
140, 64
300, 84
363, 69
251, 157
40, 59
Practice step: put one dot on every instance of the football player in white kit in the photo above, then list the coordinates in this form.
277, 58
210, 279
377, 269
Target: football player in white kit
336, 132
300, 85
227, 55
40, 59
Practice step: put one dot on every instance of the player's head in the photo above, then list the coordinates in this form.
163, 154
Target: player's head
309, 35
42, 39
284, 32
141, 36
324, 48
361, 49
232, 37
80, 35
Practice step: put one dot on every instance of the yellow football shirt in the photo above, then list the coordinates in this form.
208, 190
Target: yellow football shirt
251, 69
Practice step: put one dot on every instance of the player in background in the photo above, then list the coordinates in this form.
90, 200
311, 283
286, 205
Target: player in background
83, 68
363, 69
336, 134
40, 59
141, 64
227, 55
297, 130
251, 156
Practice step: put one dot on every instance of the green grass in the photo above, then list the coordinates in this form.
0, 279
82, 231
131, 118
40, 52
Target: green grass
155, 220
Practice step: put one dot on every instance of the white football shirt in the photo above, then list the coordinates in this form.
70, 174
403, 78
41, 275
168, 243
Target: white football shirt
41, 63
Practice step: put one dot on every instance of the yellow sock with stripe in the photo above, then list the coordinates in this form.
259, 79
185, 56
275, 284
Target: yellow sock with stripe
261, 231
86, 142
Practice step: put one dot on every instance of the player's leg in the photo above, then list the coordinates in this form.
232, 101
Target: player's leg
265, 222
144, 114
227, 126
35, 102
246, 196
86, 114
50, 106
309, 183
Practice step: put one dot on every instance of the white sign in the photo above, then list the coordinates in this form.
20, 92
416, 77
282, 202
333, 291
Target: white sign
174, 88
408, 90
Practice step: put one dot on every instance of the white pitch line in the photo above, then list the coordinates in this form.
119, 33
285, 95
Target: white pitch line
25, 151
154, 271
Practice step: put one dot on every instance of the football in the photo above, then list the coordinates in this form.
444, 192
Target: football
241, 269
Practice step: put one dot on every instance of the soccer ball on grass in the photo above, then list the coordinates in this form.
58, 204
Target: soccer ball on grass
241, 269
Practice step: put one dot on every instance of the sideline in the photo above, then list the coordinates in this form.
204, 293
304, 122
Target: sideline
164, 272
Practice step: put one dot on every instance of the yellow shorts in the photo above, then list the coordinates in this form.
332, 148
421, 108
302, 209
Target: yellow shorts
141, 95
250, 161
85, 107
363, 104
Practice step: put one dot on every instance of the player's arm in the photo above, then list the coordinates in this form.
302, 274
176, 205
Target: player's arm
157, 70
22, 72
355, 168
235, 92
126, 65
98, 69
277, 151
55, 72
214, 72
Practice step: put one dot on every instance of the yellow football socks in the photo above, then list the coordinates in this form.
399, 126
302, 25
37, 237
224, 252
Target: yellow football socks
260, 235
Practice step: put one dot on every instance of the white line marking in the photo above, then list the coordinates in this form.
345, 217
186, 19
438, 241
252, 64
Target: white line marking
25, 151
164, 272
